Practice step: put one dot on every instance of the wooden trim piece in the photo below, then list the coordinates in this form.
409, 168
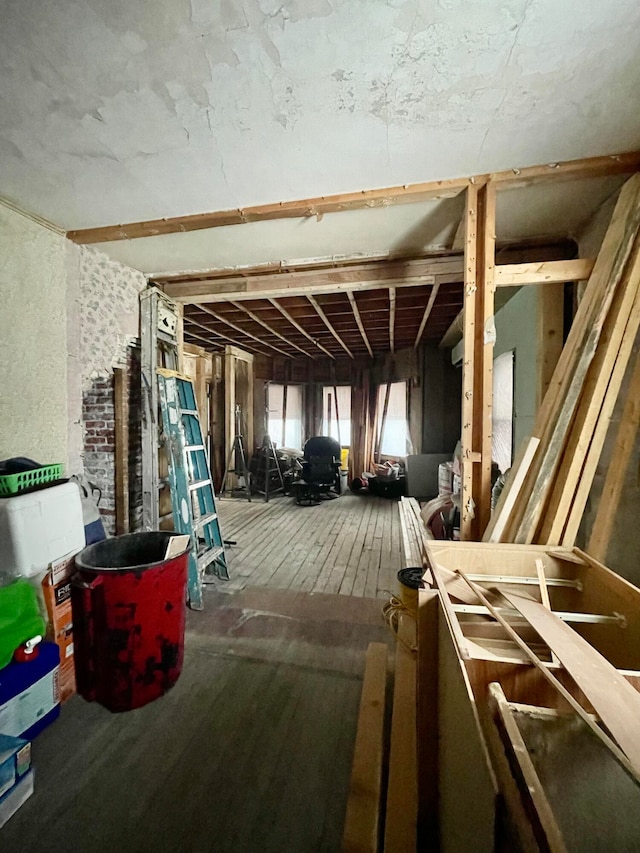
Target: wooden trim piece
613, 699
400, 832
544, 272
362, 821
356, 314
242, 331
618, 464
328, 324
297, 325
121, 419
427, 311
615, 164
272, 331
511, 491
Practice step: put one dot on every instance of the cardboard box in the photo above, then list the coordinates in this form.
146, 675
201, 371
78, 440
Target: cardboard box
15, 797
56, 588
15, 761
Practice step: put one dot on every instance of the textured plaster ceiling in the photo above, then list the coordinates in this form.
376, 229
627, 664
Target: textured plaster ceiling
120, 111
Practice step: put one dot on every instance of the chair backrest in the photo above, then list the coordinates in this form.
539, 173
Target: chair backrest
322, 446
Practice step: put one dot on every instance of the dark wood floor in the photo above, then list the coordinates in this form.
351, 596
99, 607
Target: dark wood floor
251, 750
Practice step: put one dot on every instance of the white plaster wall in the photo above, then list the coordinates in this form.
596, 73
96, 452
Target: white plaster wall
33, 340
516, 329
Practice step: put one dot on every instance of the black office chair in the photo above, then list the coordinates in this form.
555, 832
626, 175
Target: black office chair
321, 463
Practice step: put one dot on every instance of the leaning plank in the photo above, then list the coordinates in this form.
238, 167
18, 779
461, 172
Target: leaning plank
362, 822
510, 493
612, 697
562, 690
427, 722
401, 819
559, 402
543, 823
621, 454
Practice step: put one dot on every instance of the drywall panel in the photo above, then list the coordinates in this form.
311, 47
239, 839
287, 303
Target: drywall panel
516, 329
33, 340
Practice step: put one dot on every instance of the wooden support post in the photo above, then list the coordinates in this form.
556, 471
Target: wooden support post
477, 372
121, 399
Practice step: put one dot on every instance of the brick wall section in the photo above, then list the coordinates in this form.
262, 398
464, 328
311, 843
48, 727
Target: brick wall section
98, 416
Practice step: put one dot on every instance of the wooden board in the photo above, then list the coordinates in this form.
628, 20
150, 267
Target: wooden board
401, 821
614, 699
121, 458
362, 821
427, 722
513, 487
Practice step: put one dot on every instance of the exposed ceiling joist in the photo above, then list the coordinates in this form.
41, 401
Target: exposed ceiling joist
210, 344
427, 312
329, 326
225, 338
242, 331
571, 169
270, 329
356, 314
297, 325
392, 317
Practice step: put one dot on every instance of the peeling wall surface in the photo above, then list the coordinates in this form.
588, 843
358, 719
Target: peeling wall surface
121, 111
33, 341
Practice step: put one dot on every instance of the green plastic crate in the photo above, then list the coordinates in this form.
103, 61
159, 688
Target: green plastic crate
13, 484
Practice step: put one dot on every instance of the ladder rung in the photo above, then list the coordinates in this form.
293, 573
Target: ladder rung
199, 484
192, 447
208, 557
193, 412
206, 519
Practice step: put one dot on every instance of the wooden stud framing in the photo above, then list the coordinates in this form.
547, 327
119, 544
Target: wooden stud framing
356, 314
392, 318
222, 319
272, 331
328, 324
572, 169
477, 371
427, 311
297, 325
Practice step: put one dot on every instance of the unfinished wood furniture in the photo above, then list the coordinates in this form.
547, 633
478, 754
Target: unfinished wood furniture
510, 690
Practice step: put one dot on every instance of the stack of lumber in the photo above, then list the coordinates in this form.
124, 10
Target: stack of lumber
549, 484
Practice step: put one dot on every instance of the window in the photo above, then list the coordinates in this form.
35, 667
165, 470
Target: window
395, 438
285, 428
329, 420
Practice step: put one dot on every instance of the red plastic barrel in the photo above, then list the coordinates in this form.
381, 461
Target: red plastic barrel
128, 618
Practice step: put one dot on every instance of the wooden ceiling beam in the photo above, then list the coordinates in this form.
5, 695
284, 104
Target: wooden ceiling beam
616, 164
329, 325
270, 329
427, 312
392, 317
208, 342
546, 272
356, 314
297, 325
242, 331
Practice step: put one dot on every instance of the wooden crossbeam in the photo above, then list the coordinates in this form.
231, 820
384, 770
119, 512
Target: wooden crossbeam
329, 325
297, 325
573, 169
356, 314
545, 272
270, 329
236, 328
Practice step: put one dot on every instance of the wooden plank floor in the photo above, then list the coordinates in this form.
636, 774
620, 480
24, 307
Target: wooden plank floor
251, 750
349, 545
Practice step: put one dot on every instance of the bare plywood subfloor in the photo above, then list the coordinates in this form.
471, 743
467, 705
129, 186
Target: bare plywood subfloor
349, 545
252, 748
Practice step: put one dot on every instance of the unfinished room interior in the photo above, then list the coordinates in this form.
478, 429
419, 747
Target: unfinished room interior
319, 409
